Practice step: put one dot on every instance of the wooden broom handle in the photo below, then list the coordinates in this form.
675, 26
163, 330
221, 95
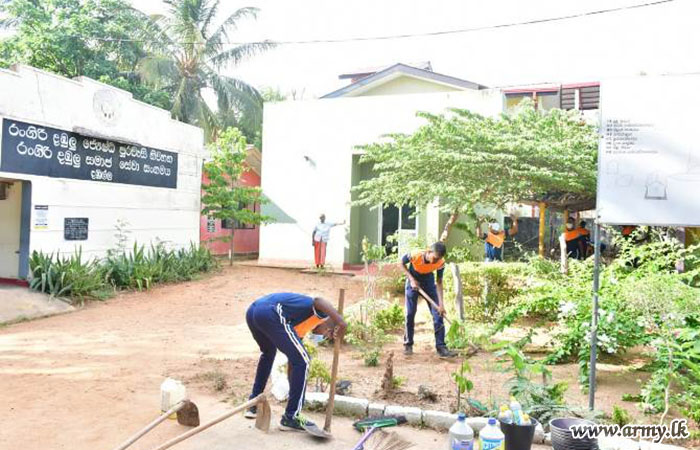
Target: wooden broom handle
211, 423
432, 302
334, 368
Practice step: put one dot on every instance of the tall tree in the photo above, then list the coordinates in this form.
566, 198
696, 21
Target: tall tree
95, 38
464, 159
224, 197
188, 53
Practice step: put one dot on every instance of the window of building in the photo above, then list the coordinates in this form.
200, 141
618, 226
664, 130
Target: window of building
226, 224
547, 100
513, 100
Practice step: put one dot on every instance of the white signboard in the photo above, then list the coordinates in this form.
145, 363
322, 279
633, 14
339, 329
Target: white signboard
41, 217
649, 155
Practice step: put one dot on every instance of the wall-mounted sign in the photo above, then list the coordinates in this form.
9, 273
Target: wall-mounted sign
75, 228
37, 150
211, 225
41, 217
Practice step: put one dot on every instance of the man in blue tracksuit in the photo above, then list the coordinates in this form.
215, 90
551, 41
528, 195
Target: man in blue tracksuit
420, 267
278, 322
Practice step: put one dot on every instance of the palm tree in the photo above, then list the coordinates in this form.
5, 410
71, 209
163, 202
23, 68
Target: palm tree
187, 54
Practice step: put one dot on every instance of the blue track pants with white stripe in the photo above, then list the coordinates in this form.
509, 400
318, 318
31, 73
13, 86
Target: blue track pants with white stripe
272, 332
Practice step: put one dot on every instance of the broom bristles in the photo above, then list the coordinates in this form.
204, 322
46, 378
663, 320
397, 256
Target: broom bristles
381, 440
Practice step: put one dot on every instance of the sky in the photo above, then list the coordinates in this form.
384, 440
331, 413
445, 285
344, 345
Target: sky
653, 40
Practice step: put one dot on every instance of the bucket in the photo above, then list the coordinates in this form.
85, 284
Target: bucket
519, 437
562, 438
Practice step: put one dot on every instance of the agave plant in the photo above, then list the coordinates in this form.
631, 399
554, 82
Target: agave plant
187, 54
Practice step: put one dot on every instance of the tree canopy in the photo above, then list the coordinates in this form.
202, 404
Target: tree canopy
464, 159
187, 55
98, 39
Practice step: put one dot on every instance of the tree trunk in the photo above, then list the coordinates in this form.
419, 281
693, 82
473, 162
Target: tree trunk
564, 257
543, 225
230, 250
448, 226
459, 298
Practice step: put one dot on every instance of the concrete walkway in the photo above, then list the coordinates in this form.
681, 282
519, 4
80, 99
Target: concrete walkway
19, 303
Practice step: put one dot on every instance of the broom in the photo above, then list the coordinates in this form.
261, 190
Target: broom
377, 439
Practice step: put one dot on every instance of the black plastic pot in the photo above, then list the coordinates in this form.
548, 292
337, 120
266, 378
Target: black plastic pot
519, 437
562, 439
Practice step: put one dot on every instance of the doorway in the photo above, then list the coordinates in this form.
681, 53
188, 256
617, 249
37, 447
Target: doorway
15, 200
397, 220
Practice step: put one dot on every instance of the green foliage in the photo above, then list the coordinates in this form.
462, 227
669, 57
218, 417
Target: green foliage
141, 268
224, 198
397, 381
371, 357
69, 277
186, 57
464, 384
620, 416
390, 318
319, 373
78, 279
98, 39
525, 154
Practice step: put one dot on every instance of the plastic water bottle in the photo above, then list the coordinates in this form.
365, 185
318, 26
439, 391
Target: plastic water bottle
517, 410
461, 436
491, 437
171, 393
505, 415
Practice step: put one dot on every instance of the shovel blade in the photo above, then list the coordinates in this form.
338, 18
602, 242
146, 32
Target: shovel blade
188, 415
264, 415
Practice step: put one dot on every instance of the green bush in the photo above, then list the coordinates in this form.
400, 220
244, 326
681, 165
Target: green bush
371, 357
69, 277
72, 277
389, 319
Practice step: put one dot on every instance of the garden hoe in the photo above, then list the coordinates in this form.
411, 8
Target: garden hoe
262, 421
187, 414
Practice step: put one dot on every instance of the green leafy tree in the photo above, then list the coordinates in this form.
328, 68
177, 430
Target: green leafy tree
465, 159
224, 198
95, 38
188, 53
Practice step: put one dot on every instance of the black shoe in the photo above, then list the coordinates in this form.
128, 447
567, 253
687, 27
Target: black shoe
296, 424
251, 413
444, 352
408, 350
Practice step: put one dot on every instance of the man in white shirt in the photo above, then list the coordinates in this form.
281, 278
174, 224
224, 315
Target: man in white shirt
319, 239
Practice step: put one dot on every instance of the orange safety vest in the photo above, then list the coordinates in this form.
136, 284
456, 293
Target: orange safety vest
421, 266
628, 229
571, 235
583, 231
303, 328
496, 239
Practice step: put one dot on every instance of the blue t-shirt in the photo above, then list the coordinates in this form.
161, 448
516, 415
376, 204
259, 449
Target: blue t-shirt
295, 308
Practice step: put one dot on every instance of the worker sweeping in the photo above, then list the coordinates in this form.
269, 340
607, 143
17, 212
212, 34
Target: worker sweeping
495, 237
278, 322
421, 269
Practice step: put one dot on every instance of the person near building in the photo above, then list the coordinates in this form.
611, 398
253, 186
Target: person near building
319, 239
572, 238
279, 322
585, 248
495, 238
424, 271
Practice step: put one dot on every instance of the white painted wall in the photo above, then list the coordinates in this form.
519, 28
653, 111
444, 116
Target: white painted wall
153, 213
408, 85
326, 131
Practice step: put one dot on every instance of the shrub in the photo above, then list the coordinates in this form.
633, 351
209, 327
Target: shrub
61, 276
390, 318
371, 357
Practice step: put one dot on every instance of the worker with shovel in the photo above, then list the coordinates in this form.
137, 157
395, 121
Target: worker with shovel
278, 322
420, 280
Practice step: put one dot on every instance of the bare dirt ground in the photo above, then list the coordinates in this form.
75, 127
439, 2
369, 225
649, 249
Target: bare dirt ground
88, 379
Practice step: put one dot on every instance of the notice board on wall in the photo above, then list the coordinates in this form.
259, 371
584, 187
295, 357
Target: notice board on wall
38, 150
649, 153
75, 228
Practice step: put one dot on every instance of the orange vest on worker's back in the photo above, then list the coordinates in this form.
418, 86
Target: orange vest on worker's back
421, 266
570, 235
583, 232
496, 239
628, 229
303, 328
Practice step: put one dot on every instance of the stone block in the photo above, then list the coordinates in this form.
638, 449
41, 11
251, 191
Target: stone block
350, 406
438, 420
413, 415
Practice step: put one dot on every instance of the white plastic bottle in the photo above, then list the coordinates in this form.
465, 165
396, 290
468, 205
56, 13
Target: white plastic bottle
171, 392
505, 415
461, 436
491, 437
517, 410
